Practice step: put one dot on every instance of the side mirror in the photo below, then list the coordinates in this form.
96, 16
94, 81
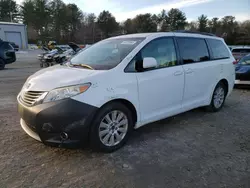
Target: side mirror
149, 62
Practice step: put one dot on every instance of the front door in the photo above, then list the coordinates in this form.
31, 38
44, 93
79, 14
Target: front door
161, 88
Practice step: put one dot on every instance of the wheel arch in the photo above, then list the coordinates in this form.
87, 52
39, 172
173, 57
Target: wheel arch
2, 59
128, 104
225, 82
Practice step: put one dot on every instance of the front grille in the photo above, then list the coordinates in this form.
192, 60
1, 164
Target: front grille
28, 98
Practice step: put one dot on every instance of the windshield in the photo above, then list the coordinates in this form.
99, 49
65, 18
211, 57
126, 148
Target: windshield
106, 54
245, 60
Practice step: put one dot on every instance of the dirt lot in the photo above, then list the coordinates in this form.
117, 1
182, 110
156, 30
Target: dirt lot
194, 149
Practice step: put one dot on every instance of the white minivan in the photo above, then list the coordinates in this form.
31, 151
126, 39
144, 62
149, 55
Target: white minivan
122, 83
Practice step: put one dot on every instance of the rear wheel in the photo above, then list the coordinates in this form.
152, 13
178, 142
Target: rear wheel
2, 64
218, 98
111, 127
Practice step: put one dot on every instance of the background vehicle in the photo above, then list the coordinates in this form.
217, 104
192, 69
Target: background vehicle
7, 54
243, 70
58, 55
51, 45
15, 46
123, 83
47, 58
63, 56
240, 52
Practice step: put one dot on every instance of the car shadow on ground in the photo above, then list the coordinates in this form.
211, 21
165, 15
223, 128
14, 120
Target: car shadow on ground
246, 87
157, 128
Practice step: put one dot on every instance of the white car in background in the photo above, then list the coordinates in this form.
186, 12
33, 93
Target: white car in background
239, 52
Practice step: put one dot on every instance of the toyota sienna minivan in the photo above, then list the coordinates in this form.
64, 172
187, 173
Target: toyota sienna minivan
122, 83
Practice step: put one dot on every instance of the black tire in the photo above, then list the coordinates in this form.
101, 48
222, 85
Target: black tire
95, 140
63, 59
212, 107
45, 64
2, 64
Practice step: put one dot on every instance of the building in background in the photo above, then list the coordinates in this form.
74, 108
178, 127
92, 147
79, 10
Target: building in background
14, 32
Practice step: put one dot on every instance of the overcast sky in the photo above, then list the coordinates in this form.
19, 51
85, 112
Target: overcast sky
123, 9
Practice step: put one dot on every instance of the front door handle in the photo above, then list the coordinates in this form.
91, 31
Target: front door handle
189, 71
178, 73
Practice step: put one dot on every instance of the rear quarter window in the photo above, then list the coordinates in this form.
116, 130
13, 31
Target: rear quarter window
218, 49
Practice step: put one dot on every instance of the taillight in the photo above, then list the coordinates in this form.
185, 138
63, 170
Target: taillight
235, 62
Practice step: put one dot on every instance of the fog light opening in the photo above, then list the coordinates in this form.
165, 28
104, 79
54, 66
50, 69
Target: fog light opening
64, 136
47, 127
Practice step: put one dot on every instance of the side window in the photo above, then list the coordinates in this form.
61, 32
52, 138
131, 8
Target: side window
193, 50
218, 49
163, 50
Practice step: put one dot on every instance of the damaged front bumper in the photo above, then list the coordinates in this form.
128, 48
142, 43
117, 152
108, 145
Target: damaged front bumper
63, 123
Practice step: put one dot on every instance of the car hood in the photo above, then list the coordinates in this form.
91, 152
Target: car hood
242, 68
57, 76
74, 47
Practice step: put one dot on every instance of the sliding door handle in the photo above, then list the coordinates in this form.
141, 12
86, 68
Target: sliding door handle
189, 71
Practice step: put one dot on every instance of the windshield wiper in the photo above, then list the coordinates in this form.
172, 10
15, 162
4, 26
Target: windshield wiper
82, 65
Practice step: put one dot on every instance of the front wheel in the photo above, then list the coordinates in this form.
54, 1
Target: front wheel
111, 127
218, 98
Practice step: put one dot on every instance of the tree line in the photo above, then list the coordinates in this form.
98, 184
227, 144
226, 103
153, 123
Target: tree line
56, 20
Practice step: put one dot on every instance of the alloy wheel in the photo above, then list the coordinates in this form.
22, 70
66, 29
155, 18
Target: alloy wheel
219, 96
113, 128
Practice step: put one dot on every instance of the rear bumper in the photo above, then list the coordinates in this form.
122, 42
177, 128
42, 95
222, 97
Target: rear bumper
242, 78
49, 121
243, 82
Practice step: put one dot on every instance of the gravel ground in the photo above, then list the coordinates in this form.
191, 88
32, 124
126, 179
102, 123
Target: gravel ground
193, 149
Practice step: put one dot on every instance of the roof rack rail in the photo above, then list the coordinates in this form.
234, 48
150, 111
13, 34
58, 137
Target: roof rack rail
194, 32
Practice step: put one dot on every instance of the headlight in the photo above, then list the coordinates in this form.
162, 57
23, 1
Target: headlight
66, 92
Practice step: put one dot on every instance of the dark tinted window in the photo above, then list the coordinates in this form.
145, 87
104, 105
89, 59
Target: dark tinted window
241, 50
193, 50
218, 49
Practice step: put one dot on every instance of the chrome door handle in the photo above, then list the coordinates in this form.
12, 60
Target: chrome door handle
188, 71
178, 73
